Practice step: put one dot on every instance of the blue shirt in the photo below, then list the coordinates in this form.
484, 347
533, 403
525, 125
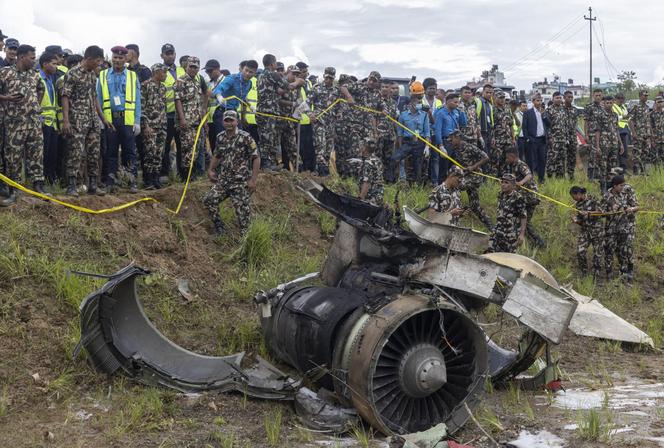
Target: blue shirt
49, 84
116, 87
233, 85
417, 122
446, 121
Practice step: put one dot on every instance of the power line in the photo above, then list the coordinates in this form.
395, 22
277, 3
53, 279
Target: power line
543, 45
548, 51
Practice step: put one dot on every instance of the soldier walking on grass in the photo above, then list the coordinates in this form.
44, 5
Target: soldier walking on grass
236, 156
510, 229
621, 205
591, 230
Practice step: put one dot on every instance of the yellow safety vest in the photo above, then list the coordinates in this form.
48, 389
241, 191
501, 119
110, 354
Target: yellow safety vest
621, 112
304, 119
130, 96
49, 108
212, 100
478, 107
170, 88
516, 127
437, 104
251, 100
63, 68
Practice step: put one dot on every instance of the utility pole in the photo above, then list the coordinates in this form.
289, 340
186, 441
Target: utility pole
590, 20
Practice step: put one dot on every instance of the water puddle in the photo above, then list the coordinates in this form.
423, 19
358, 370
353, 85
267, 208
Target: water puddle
635, 398
542, 439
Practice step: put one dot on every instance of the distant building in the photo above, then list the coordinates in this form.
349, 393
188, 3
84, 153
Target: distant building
494, 77
608, 87
547, 88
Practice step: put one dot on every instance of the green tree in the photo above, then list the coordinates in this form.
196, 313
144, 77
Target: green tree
626, 79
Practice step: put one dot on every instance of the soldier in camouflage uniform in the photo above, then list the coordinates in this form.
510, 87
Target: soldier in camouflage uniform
621, 204
503, 133
342, 140
81, 114
607, 144
591, 114
446, 197
387, 136
524, 178
511, 218
191, 107
236, 156
570, 133
153, 125
640, 125
287, 129
370, 179
556, 119
21, 91
471, 133
363, 124
657, 118
321, 98
591, 230
472, 158
271, 86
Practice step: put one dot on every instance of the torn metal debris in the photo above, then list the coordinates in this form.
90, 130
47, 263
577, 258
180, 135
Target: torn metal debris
390, 331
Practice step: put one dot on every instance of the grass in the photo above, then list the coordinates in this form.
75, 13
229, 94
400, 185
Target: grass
4, 401
488, 419
244, 336
273, 427
361, 435
141, 409
594, 425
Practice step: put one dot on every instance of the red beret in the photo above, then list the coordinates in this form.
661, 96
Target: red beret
119, 49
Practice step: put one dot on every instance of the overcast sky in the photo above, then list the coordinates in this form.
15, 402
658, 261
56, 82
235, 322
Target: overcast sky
452, 41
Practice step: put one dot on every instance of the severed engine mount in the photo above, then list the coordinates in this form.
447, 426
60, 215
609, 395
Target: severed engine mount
389, 331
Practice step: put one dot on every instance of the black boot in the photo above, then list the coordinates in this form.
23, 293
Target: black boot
10, 199
71, 187
39, 188
4, 189
219, 228
149, 181
156, 181
133, 188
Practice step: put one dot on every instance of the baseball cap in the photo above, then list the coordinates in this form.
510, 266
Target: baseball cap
455, 171
375, 75
67, 52
508, 177
230, 114
293, 69
167, 48
330, 72
55, 49
302, 65
158, 66
12, 43
119, 49
212, 64
193, 60
280, 66
499, 94
644, 92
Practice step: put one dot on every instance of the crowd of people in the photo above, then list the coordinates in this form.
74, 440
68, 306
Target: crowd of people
82, 120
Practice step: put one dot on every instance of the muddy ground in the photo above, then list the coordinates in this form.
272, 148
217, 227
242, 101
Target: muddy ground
49, 399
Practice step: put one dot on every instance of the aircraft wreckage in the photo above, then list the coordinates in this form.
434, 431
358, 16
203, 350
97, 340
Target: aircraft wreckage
387, 325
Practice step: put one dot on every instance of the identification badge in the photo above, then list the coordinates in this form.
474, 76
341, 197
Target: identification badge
117, 101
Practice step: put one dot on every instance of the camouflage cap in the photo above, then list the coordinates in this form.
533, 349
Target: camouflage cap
11, 43
644, 92
158, 66
455, 171
193, 61
343, 78
280, 66
617, 171
293, 69
329, 72
508, 177
375, 75
499, 94
230, 115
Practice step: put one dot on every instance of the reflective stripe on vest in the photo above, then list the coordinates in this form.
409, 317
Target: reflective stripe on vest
169, 83
49, 108
130, 97
304, 119
212, 100
621, 112
251, 100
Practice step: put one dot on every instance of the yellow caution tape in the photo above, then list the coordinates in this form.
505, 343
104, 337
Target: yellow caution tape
281, 117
